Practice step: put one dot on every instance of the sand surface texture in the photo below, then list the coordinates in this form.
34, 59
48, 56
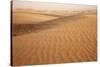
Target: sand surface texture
49, 39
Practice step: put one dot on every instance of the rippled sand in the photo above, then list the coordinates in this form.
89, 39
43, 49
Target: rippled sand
69, 39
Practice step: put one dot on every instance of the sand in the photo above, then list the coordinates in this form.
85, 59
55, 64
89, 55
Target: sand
70, 39
26, 18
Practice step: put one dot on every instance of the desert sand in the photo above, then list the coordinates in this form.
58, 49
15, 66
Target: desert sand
67, 39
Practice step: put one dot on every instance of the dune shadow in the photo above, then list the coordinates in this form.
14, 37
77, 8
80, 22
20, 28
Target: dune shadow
21, 29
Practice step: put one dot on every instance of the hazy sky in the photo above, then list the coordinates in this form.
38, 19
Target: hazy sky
89, 2
47, 5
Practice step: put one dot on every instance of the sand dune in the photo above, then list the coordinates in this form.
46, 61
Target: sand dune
23, 18
56, 40
20, 29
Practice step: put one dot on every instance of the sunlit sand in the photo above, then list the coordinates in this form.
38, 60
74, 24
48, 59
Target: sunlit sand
48, 38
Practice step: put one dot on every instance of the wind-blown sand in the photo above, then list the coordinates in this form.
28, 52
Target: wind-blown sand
71, 39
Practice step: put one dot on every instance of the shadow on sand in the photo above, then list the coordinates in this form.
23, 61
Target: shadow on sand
21, 29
